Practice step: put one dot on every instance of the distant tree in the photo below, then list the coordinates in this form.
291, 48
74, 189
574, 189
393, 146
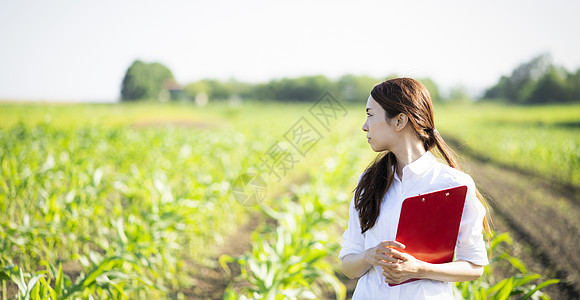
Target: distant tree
218, 90
354, 88
195, 88
144, 81
573, 86
358, 88
551, 87
459, 94
519, 86
432, 87
238, 89
525, 75
305, 88
500, 90
537, 81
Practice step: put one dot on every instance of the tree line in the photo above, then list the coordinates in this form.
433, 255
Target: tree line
536, 81
153, 81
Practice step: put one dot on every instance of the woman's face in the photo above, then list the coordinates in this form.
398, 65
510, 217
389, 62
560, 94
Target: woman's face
381, 134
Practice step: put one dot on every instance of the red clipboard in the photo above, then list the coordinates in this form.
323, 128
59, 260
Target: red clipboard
429, 225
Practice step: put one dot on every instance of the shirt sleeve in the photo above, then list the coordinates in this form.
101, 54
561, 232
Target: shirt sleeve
470, 244
353, 240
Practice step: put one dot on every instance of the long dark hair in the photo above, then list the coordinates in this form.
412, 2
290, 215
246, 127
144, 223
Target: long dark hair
410, 97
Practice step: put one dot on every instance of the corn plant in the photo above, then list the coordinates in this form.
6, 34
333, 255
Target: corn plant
106, 279
288, 262
520, 285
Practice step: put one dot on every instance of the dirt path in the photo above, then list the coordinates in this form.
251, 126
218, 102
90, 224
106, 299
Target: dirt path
211, 281
543, 219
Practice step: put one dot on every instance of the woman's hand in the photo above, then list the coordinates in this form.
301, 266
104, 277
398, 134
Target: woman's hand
402, 267
356, 265
381, 255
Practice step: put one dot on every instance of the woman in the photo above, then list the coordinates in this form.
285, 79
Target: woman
400, 124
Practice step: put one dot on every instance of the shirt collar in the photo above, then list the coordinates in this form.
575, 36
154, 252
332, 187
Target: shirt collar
421, 164
418, 166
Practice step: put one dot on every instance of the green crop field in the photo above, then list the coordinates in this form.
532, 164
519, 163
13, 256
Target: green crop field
133, 200
543, 140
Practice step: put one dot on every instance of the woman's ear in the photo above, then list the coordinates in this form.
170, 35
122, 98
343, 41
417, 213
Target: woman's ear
402, 121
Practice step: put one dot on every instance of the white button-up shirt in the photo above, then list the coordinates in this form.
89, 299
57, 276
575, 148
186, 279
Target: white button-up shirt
424, 175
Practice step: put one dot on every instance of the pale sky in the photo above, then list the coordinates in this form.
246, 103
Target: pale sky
80, 50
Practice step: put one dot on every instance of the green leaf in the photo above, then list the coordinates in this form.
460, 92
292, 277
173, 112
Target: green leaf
498, 286
505, 290
20, 282
4, 275
51, 291
89, 282
31, 285
498, 239
465, 289
517, 263
59, 284
539, 287
481, 293
526, 279
223, 260
229, 294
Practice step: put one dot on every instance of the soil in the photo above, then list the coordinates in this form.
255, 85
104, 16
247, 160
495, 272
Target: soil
211, 281
542, 217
